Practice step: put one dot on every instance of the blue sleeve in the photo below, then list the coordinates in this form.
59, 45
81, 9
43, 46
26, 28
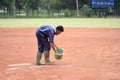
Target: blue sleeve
51, 37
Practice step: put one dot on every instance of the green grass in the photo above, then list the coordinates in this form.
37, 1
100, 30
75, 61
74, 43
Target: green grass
66, 22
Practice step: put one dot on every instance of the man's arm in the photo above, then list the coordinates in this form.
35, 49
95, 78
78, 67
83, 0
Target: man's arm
54, 47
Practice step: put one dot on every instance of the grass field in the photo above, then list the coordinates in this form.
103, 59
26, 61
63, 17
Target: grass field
66, 22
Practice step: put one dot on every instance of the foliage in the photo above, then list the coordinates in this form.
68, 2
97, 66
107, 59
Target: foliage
67, 12
86, 10
51, 6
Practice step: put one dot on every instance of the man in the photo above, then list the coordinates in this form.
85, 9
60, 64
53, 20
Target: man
45, 38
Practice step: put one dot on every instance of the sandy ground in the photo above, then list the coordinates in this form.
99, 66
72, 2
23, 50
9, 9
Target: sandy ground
90, 54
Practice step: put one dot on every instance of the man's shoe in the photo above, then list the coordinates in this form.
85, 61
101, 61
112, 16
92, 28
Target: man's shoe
40, 64
49, 62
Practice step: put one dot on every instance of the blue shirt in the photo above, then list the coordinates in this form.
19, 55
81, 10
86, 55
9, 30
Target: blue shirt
49, 31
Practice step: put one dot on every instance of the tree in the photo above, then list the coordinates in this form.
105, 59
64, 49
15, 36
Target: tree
86, 10
20, 5
7, 4
68, 4
51, 5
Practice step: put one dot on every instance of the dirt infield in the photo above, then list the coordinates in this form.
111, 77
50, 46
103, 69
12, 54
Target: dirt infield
90, 54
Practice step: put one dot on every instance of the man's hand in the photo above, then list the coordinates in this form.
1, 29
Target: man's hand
54, 47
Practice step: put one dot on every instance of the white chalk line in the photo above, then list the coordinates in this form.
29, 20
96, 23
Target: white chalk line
22, 64
52, 66
28, 65
11, 69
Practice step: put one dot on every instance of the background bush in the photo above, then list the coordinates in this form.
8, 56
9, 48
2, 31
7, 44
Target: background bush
86, 11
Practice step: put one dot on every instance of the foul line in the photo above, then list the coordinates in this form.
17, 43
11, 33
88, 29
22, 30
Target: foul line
22, 64
50, 66
11, 69
28, 65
